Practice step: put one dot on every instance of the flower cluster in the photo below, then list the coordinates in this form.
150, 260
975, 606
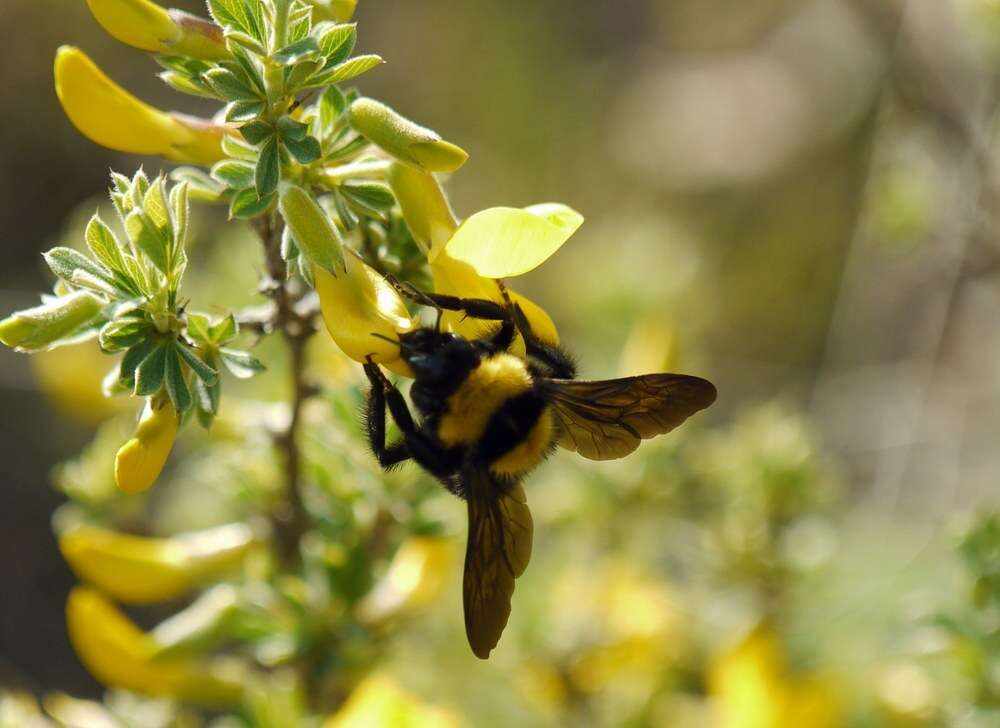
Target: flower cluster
342, 190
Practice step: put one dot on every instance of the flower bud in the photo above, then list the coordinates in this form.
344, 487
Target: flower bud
110, 116
145, 25
118, 654
39, 327
138, 570
357, 304
403, 139
425, 207
312, 229
141, 459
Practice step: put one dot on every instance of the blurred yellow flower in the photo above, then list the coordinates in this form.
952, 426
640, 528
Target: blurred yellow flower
141, 459
752, 688
137, 570
414, 579
339, 10
465, 259
76, 713
110, 116
119, 654
149, 27
72, 376
651, 347
20, 710
378, 701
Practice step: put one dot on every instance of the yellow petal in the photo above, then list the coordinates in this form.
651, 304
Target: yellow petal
71, 377
503, 241
138, 570
141, 459
118, 654
425, 207
110, 116
651, 347
415, 577
405, 140
459, 279
379, 702
73, 712
339, 10
358, 303
145, 25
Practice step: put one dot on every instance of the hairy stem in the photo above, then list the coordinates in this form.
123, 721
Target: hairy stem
295, 323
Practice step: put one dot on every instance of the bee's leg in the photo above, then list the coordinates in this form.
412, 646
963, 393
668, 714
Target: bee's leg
416, 445
391, 456
559, 363
478, 308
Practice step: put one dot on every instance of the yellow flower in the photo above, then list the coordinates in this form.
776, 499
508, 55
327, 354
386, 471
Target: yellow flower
651, 347
137, 570
141, 459
72, 376
72, 712
110, 116
379, 702
752, 688
408, 142
339, 10
465, 259
145, 25
118, 654
414, 579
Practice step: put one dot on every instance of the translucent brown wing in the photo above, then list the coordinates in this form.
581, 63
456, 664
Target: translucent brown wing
604, 420
498, 550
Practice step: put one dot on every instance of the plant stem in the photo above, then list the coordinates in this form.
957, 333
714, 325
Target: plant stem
295, 322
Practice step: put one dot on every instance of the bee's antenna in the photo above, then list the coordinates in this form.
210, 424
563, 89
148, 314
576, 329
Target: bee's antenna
386, 338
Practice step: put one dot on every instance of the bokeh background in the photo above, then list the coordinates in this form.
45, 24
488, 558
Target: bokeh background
794, 198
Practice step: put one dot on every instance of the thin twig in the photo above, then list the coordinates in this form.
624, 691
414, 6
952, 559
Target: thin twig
293, 315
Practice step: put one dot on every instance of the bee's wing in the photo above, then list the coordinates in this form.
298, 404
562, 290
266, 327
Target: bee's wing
498, 550
604, 420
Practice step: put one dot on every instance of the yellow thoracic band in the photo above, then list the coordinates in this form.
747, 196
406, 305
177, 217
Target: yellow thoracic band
487, 387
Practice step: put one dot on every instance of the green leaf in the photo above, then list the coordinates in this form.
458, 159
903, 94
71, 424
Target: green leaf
233, 147
239, 112
200, 186
336, 41
256, 132
332, 106
268, 172
241, 364
314, 232
346, 71
103, 244
65, 261
199, 327
247, 70
246, 205
177, 387
247, 42
305, 151
289, 128
154, 203
149, 375
299, 20
225, 330
305, 49
131, 361
238, 175
123, 333
202, 370
229, 87
375, 196
503, 242
187, 85
150, 240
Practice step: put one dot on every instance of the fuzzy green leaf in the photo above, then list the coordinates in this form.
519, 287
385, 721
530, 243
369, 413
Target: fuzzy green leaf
149, 375
241, 364
202, 370
177, 387
237, 175
246, 205
268, 172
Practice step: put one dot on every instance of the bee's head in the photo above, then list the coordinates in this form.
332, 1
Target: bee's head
437, 356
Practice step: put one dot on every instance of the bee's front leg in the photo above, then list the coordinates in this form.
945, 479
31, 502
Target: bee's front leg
416, 444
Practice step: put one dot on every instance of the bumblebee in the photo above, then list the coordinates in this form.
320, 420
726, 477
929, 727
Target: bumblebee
488, 417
